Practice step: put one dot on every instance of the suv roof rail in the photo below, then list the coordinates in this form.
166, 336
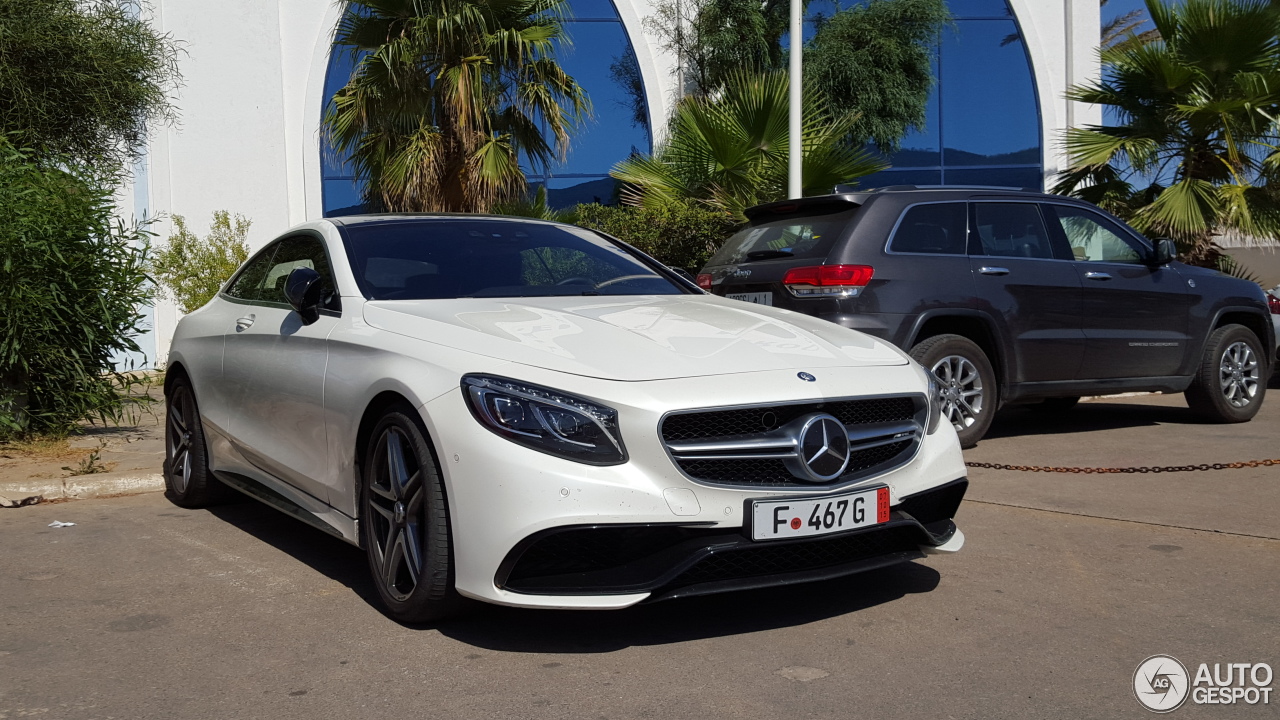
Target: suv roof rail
842, 188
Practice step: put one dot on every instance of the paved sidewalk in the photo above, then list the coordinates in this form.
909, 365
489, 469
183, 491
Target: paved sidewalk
129, 460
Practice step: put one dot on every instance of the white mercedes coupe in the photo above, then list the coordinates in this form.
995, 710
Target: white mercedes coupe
534, 414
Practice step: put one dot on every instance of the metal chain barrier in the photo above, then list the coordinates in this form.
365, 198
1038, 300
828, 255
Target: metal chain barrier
1099, 470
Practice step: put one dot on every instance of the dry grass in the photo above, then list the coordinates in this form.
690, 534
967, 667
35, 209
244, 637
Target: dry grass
40, 447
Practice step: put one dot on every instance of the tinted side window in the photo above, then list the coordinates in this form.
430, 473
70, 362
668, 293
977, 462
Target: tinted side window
940, 228
1094, 238
248, 284
1011, 230
296, 252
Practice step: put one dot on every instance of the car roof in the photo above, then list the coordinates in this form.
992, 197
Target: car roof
909, 193
378, 218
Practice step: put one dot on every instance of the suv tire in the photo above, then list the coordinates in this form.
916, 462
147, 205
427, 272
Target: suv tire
1229, 384
967, 380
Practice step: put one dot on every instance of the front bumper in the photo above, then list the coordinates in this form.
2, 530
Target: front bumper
503, 497
670, 561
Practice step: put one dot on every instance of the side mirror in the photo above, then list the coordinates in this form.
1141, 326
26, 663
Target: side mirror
302, 290
1166, 251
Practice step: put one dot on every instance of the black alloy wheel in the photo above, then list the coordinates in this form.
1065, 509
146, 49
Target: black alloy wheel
187, 478
405, 523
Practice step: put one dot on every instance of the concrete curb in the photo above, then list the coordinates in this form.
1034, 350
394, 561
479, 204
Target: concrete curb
83, 486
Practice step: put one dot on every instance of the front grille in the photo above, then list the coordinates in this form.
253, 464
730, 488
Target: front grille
746, 424
759, 560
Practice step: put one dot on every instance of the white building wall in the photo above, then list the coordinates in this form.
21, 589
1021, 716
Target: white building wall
248, 141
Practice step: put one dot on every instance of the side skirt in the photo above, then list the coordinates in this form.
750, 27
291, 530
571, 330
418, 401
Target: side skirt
1110, 386
295, 505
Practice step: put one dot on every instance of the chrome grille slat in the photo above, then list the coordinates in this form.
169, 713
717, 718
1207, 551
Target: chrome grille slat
736, 446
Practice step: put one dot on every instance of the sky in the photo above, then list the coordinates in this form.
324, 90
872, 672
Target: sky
1116, 8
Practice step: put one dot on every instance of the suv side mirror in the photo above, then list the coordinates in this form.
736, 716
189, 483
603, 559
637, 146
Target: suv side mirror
302, 290
1166, 251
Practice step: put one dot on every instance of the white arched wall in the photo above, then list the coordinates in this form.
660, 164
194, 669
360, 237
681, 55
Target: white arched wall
1062, 37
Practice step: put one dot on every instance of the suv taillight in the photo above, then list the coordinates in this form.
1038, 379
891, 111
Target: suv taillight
1273, 302
704, 281
828, 280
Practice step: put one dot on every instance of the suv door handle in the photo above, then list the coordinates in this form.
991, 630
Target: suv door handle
1097, 275
244, 323
989, 270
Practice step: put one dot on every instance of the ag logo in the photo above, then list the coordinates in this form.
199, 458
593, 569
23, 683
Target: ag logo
1161, 683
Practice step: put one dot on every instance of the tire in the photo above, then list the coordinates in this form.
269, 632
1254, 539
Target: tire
187, 479
1056, 405
967, 380
1229, 385
405, 521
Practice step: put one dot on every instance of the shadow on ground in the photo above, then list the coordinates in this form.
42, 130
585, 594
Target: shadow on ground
562, 631
1017, 420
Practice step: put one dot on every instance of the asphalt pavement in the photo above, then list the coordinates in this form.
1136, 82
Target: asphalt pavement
1068, 581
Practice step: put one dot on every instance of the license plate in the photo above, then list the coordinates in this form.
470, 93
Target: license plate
764, 298
802, 517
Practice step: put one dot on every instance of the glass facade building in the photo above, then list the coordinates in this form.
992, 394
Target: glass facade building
983, 124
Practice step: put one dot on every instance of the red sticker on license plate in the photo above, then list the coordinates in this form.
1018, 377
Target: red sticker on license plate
882, 505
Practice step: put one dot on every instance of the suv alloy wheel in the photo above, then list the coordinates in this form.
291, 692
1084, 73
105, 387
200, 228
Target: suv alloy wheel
967, 382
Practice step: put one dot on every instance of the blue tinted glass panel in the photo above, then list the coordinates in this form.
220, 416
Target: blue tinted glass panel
979, 8
341, 197
923, 147
592, 9
567, 192
341, 65
1002, 177
989, 111
611, 136
901, 177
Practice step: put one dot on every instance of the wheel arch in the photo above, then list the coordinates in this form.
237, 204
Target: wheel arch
1256, 322
972, 324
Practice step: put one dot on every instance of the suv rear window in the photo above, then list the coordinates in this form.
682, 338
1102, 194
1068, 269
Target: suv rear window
936, 228
796, 236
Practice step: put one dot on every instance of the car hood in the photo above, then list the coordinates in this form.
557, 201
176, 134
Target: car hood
633, 338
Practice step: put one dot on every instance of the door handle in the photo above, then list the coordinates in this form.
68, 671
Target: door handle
1097, 275
989, 270
244, 323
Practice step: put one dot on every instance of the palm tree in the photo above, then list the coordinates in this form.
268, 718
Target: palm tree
447, 98
730, 151
1196, 147
1125, 29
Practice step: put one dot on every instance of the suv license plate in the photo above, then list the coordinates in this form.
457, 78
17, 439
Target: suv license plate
765, 298
802, 517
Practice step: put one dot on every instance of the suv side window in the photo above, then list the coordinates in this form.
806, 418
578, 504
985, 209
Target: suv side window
1093, 238
1011, 230
248, 284
934, 228
293, 253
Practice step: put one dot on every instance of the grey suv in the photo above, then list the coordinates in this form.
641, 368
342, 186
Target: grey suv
1008, 296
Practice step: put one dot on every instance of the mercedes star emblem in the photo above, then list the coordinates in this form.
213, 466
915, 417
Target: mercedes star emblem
822, 448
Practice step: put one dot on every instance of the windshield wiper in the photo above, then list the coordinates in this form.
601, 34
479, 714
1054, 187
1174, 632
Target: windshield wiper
768, 254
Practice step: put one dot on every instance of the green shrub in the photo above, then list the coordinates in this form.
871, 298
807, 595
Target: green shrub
680, 235
192, 269
72, 280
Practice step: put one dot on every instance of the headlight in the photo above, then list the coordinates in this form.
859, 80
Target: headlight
546, 420
935, 403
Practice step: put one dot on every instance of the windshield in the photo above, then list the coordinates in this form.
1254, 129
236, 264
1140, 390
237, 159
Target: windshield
798, 236
486, 257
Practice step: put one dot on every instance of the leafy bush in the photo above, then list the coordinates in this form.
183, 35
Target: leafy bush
192, 269
80, 80
681, 235
72, 279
